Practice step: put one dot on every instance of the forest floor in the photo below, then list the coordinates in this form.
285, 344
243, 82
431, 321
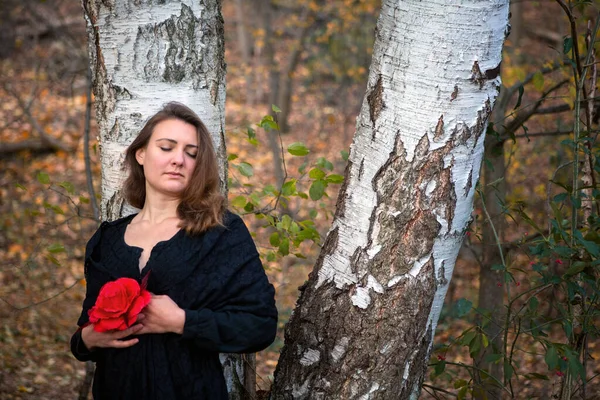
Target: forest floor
41, 285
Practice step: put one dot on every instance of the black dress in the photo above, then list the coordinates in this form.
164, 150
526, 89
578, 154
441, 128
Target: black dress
219, 281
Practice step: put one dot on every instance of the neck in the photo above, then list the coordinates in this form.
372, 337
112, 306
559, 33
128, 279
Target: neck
159, 209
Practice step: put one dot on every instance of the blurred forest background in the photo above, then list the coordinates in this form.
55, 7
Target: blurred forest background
311, 60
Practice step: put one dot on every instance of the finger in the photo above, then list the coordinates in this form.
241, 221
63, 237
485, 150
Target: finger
121, 344
129, 331
140, 317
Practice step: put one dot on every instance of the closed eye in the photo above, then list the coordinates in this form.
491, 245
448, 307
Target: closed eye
165, 148
193, 155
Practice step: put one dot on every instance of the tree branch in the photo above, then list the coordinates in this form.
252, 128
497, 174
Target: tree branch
46, 139
554, 109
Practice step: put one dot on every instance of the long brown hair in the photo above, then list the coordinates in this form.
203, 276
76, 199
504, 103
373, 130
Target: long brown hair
201, 204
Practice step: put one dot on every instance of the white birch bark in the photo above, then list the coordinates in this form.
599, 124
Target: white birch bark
143, 54
364, 325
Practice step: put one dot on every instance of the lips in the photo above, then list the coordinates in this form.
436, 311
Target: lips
175, 174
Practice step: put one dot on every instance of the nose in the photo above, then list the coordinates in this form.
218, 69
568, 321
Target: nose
177, 158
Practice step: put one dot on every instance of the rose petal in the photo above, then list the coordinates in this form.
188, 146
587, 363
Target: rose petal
138, 305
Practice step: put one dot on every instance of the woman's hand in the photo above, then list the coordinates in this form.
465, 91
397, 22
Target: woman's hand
162, 315
93, 339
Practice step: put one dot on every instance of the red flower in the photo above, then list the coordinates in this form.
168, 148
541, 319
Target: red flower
118, 305
559, 261
518, 284
468, 233
499, 284
559, 373
441, 357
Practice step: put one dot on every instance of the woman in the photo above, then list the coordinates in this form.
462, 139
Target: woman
209, 290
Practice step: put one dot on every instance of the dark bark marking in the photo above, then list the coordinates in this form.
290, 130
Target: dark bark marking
480, 77
442, 274
439, 129
493, 73
122, 93
340, 207
375, 100
361, 168
469, 184
476, 75
114, 132
454, 93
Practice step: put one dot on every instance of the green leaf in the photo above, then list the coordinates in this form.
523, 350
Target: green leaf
284, 246
463, 306
533, 304
316, 173
551, 358
239, 201
274, 239
68, 186
440, 367
493, 358
289, 188
52, 259
298, 149
460, 383
43, 178
56, 248
462, 393
317, 189
576, 268
268, 123
468, 338
567, 44
538, 80
251, 133
271, 256
498, 267
232, 157
286, 222
345, 155
508, 370
245, 169
521, 91
559, 198
335, 178
275, 108
84, 200
484, 340
313, 213
20, 186
324, 164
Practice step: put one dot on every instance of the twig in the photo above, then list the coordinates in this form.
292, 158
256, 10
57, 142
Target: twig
437, 389
40, 302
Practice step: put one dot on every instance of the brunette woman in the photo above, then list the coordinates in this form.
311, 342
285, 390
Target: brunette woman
209, 291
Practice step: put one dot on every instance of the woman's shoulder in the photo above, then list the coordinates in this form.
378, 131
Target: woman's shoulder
107, 229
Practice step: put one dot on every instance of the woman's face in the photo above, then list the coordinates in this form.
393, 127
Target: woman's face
169, 157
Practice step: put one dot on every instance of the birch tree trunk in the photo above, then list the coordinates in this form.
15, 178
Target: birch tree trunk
364, 324
144, 54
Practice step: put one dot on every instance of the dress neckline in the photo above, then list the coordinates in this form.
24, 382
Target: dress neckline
138, 250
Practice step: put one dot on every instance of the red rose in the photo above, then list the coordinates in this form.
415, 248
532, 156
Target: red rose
118, 305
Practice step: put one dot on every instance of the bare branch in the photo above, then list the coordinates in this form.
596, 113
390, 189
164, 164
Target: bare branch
554, 109
46, 139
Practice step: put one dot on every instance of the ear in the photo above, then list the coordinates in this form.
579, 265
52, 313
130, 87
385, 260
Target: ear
139, 155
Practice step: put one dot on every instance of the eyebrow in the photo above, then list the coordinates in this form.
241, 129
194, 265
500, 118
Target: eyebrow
175, 142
